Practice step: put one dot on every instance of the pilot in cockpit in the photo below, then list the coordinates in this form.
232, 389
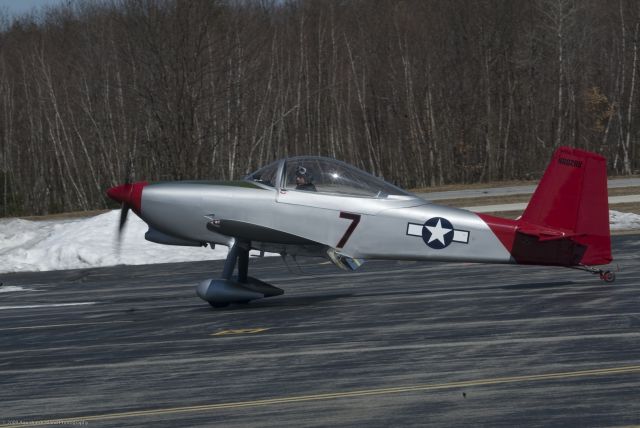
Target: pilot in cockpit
304, 180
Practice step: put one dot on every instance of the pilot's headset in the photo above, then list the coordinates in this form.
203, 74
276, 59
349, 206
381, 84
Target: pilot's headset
302, 172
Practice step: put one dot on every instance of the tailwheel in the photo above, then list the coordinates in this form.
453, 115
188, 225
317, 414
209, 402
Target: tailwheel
607, 276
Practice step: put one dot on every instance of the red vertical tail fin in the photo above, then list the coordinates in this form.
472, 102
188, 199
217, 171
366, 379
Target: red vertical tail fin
572, 198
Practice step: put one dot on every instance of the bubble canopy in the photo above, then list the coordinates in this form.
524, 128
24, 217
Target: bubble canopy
327, 175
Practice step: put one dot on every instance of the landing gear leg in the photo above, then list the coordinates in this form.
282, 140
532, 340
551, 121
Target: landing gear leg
243, 264
241, 289
230, 262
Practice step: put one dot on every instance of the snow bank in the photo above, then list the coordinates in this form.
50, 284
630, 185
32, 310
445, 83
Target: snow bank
88, 242
623, 221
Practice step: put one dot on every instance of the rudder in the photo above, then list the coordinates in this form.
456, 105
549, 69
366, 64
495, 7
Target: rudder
572, 198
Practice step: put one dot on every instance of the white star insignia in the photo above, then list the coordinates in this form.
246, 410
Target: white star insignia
438, 232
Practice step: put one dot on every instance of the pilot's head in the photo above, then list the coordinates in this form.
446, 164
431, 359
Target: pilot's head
303, 176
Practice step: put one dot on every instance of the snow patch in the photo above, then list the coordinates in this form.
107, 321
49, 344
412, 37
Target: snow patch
623, 221
88, 242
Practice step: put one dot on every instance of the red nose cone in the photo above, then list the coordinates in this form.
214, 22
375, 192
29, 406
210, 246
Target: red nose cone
130, 194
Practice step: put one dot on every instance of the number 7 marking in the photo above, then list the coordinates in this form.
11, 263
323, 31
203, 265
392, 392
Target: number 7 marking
355, 219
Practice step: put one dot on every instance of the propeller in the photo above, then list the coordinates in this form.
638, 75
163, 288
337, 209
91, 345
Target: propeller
130, 197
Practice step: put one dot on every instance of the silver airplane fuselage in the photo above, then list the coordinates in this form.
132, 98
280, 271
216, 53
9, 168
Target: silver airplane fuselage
280, 219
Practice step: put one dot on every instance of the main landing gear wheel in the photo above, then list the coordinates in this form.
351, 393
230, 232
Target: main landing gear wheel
607, 276
219, 304
220, 293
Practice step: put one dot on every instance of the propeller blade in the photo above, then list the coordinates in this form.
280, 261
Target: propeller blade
124, 211
130, 196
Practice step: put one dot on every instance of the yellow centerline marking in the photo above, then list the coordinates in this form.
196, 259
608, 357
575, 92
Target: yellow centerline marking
36, 327
334, 395
240, 331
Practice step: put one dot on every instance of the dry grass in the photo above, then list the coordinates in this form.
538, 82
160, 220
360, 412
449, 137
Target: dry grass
450, 187
482, 200
631, 207
621, 191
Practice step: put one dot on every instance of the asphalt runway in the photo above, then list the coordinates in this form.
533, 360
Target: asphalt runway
393, 344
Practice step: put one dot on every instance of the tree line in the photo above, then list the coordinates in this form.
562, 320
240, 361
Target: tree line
419, 92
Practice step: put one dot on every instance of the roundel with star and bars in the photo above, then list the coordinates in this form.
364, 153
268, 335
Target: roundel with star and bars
437, 233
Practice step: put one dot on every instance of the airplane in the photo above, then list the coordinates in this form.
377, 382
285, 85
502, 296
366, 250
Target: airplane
319, 206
